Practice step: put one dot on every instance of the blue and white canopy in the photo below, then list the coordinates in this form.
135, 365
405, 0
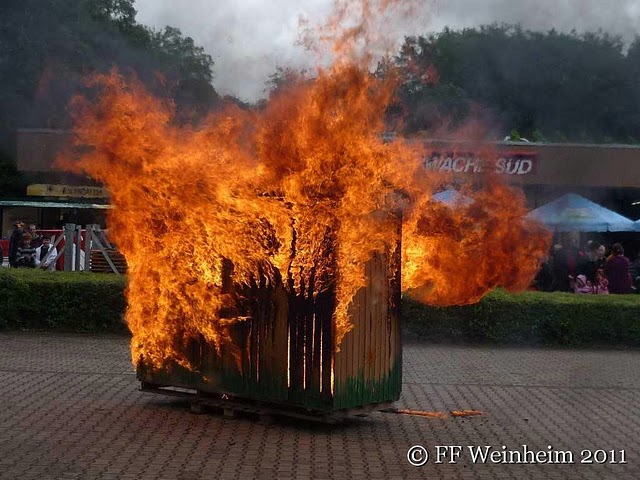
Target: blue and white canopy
573, 213
451, 197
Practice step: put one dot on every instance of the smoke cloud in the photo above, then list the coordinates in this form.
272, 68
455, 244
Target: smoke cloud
249, 38
618, 17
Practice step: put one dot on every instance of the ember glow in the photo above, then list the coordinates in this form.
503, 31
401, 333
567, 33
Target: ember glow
303, 189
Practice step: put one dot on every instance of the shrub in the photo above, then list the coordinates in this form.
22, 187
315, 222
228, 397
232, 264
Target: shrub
94, 302
62, 301
530, 318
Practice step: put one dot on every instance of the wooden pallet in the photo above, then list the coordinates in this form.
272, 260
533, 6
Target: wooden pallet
265, 411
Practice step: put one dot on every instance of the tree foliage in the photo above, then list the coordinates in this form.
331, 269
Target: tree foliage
551, 85
48, 47
285, 77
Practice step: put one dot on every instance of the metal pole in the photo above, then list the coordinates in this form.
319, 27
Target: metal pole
69, 230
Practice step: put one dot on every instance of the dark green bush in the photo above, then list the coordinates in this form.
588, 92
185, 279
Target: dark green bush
62, 301
91, 302
530, 318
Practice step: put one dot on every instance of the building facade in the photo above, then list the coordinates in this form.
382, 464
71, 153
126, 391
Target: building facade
606, 174
53, 196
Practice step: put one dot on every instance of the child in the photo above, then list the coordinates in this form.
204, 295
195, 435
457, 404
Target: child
46, 254
26, 254
598, 287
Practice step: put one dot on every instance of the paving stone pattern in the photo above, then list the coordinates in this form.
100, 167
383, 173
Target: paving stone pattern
70, 408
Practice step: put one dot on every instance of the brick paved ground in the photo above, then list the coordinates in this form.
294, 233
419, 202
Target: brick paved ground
70, 409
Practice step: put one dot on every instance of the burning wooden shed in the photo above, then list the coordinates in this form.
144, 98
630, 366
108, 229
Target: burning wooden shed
300, 196
284, 356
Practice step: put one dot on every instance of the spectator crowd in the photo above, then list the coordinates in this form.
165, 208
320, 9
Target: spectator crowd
27, 249
592, 270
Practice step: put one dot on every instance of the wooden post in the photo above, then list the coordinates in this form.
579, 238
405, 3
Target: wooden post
88, 235
69, 230
78, 247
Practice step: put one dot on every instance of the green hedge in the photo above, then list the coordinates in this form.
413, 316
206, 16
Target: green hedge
530, 318
61, 301
86, 302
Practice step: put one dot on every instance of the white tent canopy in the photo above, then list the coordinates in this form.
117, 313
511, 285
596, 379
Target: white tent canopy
573, 213
451, 197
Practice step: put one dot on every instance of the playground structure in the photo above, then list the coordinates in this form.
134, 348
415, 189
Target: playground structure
84, 250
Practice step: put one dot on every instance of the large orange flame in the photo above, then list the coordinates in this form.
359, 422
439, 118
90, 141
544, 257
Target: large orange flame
306, 187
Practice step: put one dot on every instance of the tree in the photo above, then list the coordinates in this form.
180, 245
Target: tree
285, 77
187, 69
427, 99
581, 85
119, 13
48, 48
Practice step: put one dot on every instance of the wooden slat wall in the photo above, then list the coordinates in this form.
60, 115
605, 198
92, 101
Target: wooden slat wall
289, 333
311, 345
366, 370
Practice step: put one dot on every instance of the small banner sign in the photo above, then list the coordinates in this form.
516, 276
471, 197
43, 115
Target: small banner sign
48, 190
503, 163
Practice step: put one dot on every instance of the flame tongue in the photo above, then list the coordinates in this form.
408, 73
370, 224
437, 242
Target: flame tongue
304, 188
456, 255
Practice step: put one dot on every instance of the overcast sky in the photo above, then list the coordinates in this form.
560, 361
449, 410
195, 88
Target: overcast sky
248, 38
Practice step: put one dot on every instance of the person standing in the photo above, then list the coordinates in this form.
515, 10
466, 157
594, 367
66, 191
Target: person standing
36, 240
592, 263
561, 268
635, 274
46, 254
15, 242
617, 270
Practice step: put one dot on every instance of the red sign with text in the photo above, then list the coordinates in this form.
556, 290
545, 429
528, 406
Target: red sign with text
510, 163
